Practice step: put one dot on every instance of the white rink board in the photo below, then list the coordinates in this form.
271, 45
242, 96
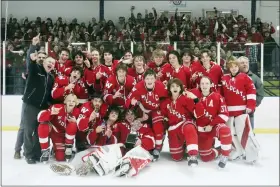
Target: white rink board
266, 116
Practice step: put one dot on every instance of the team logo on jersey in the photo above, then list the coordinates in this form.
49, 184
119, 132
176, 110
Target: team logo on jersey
108, 85
84, 110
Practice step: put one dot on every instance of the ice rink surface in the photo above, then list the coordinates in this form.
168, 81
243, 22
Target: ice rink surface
163, 172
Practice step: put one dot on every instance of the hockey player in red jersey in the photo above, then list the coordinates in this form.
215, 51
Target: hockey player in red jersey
178, 110
239, 91
145, 135
109, 60
175, 69
102, 130
138, 68
206, 68
74, 84
62, 63
158, 61
148, 94
211, 116
91, 112
79, 60
240, 96
59, 124
98, 73
118, 86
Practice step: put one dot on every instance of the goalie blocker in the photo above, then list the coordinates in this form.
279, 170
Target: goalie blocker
244, 141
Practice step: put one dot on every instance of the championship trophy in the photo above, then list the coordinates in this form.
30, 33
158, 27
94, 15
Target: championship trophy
133, 136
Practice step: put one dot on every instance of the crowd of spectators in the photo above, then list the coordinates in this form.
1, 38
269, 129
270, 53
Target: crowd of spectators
147, 32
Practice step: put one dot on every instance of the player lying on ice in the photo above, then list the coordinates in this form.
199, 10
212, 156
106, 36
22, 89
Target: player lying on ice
240, 96
178, 110
59, 124
211, 116
136, 140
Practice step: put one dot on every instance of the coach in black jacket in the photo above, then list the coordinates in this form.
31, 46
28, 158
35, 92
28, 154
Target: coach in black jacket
37, 96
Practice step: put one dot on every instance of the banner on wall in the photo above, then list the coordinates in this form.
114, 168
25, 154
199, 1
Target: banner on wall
178, 4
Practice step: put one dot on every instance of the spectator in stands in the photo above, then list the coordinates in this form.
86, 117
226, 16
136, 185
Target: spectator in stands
251, 52
245, 68
146, 31
37, 96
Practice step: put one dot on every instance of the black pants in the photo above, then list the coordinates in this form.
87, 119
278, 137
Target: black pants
32, 147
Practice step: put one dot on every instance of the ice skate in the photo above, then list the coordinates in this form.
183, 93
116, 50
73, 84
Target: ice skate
85, 168
68, 153
223, 161
155, 153
45, 156
192, 161
61, 169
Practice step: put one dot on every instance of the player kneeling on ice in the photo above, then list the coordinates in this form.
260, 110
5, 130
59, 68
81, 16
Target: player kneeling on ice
105, 159
211, 115
138, 139
59, 124
178, 110
101, 134
240, 96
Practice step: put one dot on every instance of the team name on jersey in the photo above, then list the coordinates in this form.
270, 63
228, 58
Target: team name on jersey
174, 112
62, 123
144, 97
234, 90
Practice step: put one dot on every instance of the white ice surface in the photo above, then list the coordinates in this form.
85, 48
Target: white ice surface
163, 172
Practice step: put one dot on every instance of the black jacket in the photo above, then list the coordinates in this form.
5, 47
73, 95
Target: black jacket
38, 87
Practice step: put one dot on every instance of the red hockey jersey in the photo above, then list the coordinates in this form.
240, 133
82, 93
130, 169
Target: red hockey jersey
183, 73
112, 86
179, 110
59, 122
101, 139
156, 68
86, 109
239, 93
122, 129
215, 73
148, 99
137, 76
59, 69
58, 91
90, 76
210, 110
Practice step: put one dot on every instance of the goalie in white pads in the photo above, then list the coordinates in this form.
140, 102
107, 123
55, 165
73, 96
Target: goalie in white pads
240, 96
105, 159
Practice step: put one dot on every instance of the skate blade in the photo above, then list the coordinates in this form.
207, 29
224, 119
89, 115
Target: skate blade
193, 165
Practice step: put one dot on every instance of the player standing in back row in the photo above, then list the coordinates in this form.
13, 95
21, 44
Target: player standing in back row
148, 94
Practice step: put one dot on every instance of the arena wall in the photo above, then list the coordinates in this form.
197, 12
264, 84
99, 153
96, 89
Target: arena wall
266, 116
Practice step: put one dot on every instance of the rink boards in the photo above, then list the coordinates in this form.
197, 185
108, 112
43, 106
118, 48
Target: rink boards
266, 115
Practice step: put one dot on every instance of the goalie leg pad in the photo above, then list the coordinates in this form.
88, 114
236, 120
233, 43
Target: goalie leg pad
237, 150
105, 158
134, 161
246, 137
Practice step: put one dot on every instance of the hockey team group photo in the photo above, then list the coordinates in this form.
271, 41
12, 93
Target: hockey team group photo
91, 107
